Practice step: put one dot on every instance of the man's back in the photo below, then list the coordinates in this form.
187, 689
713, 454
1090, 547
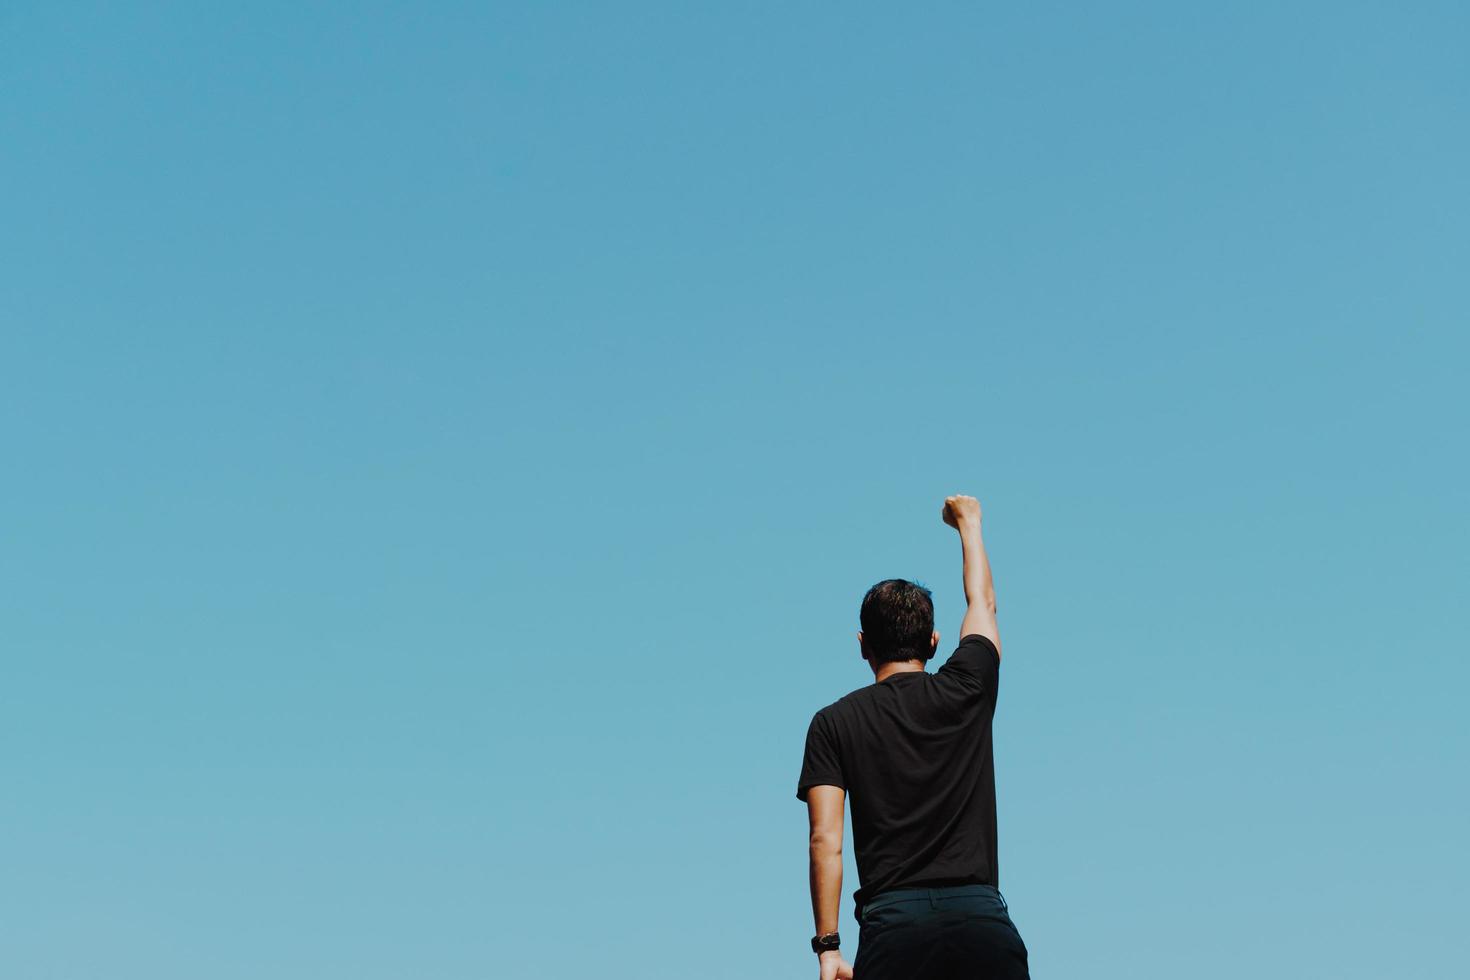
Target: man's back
914, 753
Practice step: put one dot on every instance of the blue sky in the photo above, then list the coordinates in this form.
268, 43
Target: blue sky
447, 445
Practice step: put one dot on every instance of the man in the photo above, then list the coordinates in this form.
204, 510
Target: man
914, 751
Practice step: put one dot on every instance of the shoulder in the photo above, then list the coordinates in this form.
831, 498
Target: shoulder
975, 659
978, 645
845, 706
851, 700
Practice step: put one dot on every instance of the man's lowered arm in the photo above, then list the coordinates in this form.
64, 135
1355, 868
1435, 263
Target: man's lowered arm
824, 807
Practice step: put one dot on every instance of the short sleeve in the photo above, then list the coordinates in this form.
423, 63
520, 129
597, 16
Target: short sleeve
975, 662
821, 764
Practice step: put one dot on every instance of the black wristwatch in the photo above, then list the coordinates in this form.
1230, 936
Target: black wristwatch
825, 944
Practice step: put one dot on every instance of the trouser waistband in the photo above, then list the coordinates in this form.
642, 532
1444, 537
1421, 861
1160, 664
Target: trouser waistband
930, 892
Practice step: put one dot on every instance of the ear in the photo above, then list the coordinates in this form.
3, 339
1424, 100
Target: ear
860, 645
934, 642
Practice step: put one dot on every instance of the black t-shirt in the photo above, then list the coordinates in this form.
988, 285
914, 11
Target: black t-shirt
914, 754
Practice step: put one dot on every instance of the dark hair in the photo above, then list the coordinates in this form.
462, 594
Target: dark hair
898, 622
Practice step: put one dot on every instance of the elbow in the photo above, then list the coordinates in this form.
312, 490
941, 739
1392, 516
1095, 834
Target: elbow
984, 602
825, 846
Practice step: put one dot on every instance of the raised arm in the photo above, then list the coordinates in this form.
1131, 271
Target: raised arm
963, 514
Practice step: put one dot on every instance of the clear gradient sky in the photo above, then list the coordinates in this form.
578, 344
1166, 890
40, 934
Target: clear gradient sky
446, 445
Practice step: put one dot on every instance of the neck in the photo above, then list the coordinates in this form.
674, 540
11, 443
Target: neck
897, 667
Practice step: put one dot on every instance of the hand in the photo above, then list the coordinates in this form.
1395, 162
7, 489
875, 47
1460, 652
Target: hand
834, 967
961, 512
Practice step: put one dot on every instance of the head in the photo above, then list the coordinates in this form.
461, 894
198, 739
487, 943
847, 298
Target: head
898, 623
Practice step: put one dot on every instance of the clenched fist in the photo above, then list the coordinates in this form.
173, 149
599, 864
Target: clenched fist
961, 512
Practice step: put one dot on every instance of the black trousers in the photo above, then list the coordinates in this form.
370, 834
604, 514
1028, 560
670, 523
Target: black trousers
955, 932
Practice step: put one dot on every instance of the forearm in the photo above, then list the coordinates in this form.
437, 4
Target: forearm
826, 885
979, 586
